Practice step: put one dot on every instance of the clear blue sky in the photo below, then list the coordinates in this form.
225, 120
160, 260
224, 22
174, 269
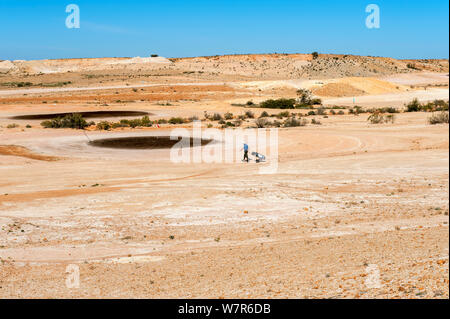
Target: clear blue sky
35, 29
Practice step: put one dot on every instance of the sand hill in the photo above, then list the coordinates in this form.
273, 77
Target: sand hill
261, 66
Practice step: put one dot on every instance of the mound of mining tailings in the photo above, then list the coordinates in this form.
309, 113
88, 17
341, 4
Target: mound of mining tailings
92, 114
146, 142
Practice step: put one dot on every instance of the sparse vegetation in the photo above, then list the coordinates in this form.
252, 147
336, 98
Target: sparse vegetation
293, 122
75, 121
379, 118
356, 110
278, 104
228, 116
262, 122
434, 106
305, 98
250, 114
264, 114
217, 117
176, 120
438, 118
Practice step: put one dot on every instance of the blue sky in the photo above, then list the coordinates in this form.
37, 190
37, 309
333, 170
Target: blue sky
35, 29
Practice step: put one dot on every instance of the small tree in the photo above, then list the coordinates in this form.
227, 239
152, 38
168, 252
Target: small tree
315, 55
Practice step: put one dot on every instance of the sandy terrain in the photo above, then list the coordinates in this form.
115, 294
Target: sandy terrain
350, 204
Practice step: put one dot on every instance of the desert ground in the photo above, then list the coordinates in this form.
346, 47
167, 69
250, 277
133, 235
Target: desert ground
350, 204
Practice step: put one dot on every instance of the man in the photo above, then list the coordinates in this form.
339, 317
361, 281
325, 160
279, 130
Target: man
246, 152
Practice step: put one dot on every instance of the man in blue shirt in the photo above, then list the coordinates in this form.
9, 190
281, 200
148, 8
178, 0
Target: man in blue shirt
246, 152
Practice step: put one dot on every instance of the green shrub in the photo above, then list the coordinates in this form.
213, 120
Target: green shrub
283, 114
315, 55
217, 117
413, 106
103, 126
13, 125
316, 101
176, 120
228, 116
264, 114
278, 104
74, 120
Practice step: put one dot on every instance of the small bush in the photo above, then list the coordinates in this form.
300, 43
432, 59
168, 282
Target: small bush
439, 118
250, 114
292, 122
321, 111
315, 55
356, 110
311, 113
74, 120
13, 125
176, 120
228, 116
262, 122
217, 117
413, 106
316, 101
264, 114
316, 122
283, 114
379, 118
278, 104
103, 126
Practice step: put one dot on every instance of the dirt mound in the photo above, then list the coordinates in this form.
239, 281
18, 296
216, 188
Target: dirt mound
291, 66
337, 90
7, 66
144, 142
83, 65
